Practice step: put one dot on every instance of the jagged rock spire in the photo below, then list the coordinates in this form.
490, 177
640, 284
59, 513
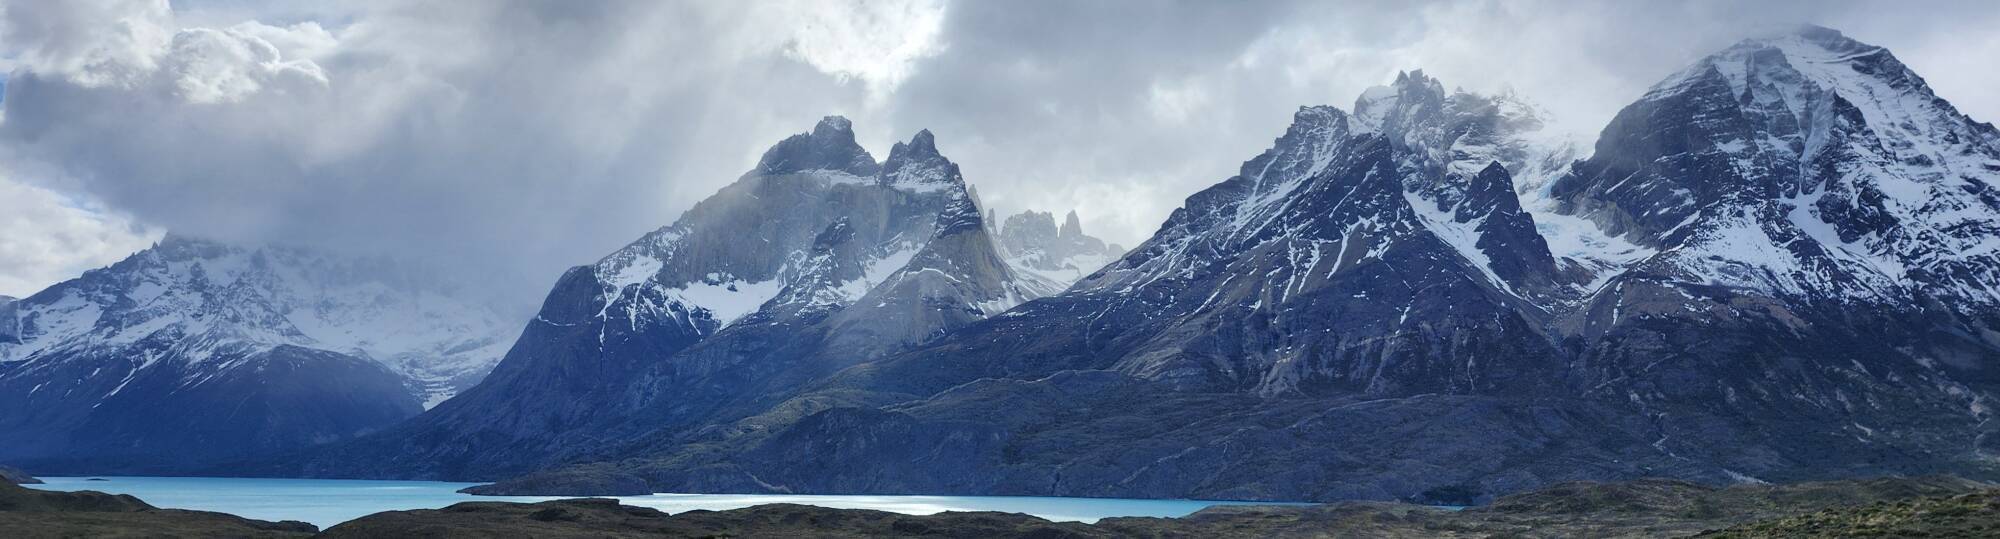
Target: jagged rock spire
1071, 227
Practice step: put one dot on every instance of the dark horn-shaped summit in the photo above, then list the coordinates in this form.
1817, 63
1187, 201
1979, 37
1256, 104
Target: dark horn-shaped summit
830, 146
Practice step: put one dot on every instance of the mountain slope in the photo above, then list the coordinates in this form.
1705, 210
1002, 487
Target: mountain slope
193, 351
817, 259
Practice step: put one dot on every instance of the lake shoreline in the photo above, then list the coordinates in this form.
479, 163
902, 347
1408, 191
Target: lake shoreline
329, 502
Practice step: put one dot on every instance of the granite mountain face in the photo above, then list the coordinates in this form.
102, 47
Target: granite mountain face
194, 351
817, 259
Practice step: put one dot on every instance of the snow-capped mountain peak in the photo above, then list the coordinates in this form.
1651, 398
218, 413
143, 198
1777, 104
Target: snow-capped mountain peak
193, 350
1826, 155
257, 298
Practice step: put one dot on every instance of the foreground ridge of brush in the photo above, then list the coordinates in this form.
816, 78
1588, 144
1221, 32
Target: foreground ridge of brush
1928, 506
1779, 264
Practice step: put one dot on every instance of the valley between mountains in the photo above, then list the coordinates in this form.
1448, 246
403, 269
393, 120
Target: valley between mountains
1779, 264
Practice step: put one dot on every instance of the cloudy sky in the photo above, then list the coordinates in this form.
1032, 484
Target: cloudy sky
517, 138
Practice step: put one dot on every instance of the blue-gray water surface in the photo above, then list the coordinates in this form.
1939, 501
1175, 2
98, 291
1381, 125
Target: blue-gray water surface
325, 502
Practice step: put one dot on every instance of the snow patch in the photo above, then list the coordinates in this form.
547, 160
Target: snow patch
727, 301
1462, 237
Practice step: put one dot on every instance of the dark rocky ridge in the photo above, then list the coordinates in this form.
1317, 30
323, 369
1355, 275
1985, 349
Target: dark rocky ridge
599, 480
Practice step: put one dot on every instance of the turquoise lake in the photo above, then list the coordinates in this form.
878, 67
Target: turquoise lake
325, 502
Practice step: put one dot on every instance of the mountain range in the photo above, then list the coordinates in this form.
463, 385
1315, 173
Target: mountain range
1778, 264
211, 352
193, 351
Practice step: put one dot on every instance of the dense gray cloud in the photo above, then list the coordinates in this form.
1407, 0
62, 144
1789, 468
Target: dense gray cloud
51, 237
522, 137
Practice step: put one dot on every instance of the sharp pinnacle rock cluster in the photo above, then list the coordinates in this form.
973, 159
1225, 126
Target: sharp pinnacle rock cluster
1778, 264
